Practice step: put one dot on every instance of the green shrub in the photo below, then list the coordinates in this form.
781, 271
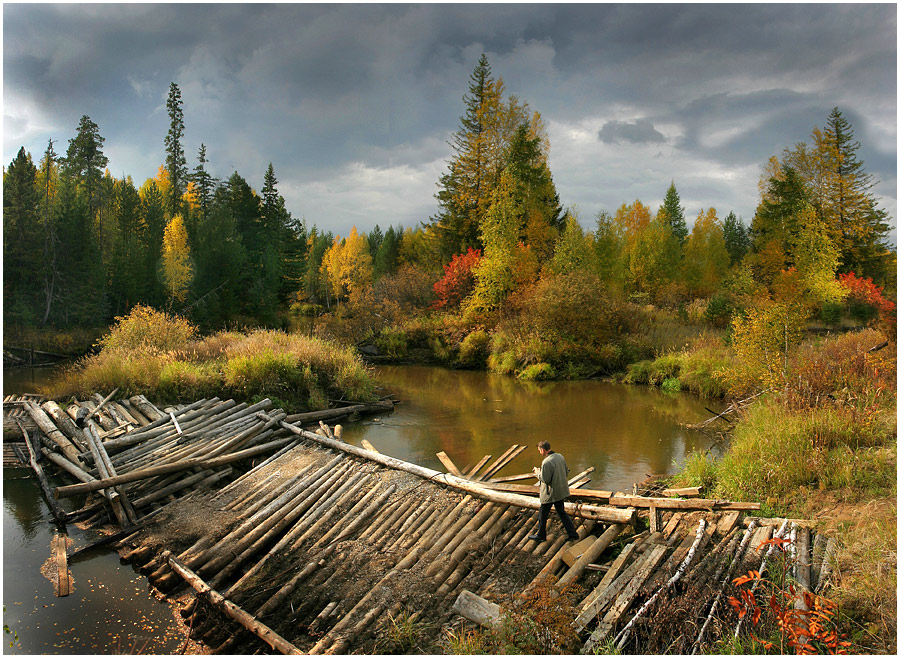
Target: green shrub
671, 385
392, 342
830, 313
537, 371
473, 350
719, 310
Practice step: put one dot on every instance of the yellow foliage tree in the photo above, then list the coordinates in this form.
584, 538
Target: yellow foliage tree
706, 259
176, 260
347, 265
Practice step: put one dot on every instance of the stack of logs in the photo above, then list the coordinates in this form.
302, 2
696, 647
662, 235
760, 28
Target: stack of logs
321, 545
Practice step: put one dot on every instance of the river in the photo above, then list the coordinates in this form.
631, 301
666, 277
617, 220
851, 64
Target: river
624, 432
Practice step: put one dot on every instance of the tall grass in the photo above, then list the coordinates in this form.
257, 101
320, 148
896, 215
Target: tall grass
160, 356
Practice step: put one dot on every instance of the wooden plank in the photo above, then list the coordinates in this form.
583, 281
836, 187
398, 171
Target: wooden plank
514, 451
572, 553
727, 521
448, 464
513, 478
655, 518
474, 608
593, 604
62, 565
624, 500
477, 467
671, 525
626, 597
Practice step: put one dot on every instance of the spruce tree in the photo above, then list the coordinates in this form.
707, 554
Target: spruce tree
737, 238
176, 163
675, 214
205, 183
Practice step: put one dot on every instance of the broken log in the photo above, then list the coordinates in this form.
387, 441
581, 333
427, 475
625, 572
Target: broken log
219, 602
474, 608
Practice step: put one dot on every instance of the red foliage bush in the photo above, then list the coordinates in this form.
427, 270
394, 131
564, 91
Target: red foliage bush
458, 280
867, 302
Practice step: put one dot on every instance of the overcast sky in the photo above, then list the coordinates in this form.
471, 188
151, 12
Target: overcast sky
353, 105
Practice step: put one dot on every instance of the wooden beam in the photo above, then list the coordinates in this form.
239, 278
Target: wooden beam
62, 565
241, 616
448, 464
624, 500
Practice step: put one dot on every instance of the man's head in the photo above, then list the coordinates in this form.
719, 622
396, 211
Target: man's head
544, 448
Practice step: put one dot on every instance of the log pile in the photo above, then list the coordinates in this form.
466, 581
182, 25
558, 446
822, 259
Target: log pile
295, 541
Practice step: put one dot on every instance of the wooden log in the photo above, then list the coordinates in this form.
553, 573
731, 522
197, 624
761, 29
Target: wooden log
42, 420
477, 488
623, 635
147, 408
383, 406
698, 643
101, 404
804, 570
590, 555
827, 564
512, 478
623, 500
655, 519
588, 607
610, 585
56, 510
109, 471
218, 601
684, 492
368, 446
476, 609
572, 553
556, 561
134, 476
65, 424
625, 598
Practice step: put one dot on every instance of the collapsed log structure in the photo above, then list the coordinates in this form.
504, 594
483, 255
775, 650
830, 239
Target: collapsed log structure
295, 541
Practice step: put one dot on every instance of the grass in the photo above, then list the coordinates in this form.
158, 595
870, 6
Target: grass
824, 447
161, 356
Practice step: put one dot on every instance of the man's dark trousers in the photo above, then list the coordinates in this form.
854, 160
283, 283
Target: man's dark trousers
544, 514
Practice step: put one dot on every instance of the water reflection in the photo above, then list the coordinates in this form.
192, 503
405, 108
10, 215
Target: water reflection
623, 432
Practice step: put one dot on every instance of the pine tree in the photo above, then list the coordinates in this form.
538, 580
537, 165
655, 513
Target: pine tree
176, 163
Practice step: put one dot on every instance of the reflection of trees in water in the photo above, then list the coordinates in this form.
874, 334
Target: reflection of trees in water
622, 431
22, 499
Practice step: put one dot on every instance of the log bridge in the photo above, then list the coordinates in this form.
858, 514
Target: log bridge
294, 541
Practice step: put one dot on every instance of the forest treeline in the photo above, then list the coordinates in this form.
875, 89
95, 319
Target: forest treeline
81, 246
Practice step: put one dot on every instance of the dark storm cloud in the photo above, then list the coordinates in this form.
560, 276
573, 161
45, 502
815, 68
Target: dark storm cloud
353, 104
641, 131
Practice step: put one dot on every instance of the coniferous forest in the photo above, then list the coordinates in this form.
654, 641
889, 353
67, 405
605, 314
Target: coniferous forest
82, 246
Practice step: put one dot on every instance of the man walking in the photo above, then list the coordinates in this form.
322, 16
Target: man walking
553, 476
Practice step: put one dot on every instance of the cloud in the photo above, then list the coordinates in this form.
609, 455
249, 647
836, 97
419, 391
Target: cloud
639, 132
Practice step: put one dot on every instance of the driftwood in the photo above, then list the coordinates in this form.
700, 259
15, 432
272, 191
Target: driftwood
474, 608
218, 601
62, 566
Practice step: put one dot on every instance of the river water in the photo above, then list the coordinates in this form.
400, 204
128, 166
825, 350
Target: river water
624, 432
